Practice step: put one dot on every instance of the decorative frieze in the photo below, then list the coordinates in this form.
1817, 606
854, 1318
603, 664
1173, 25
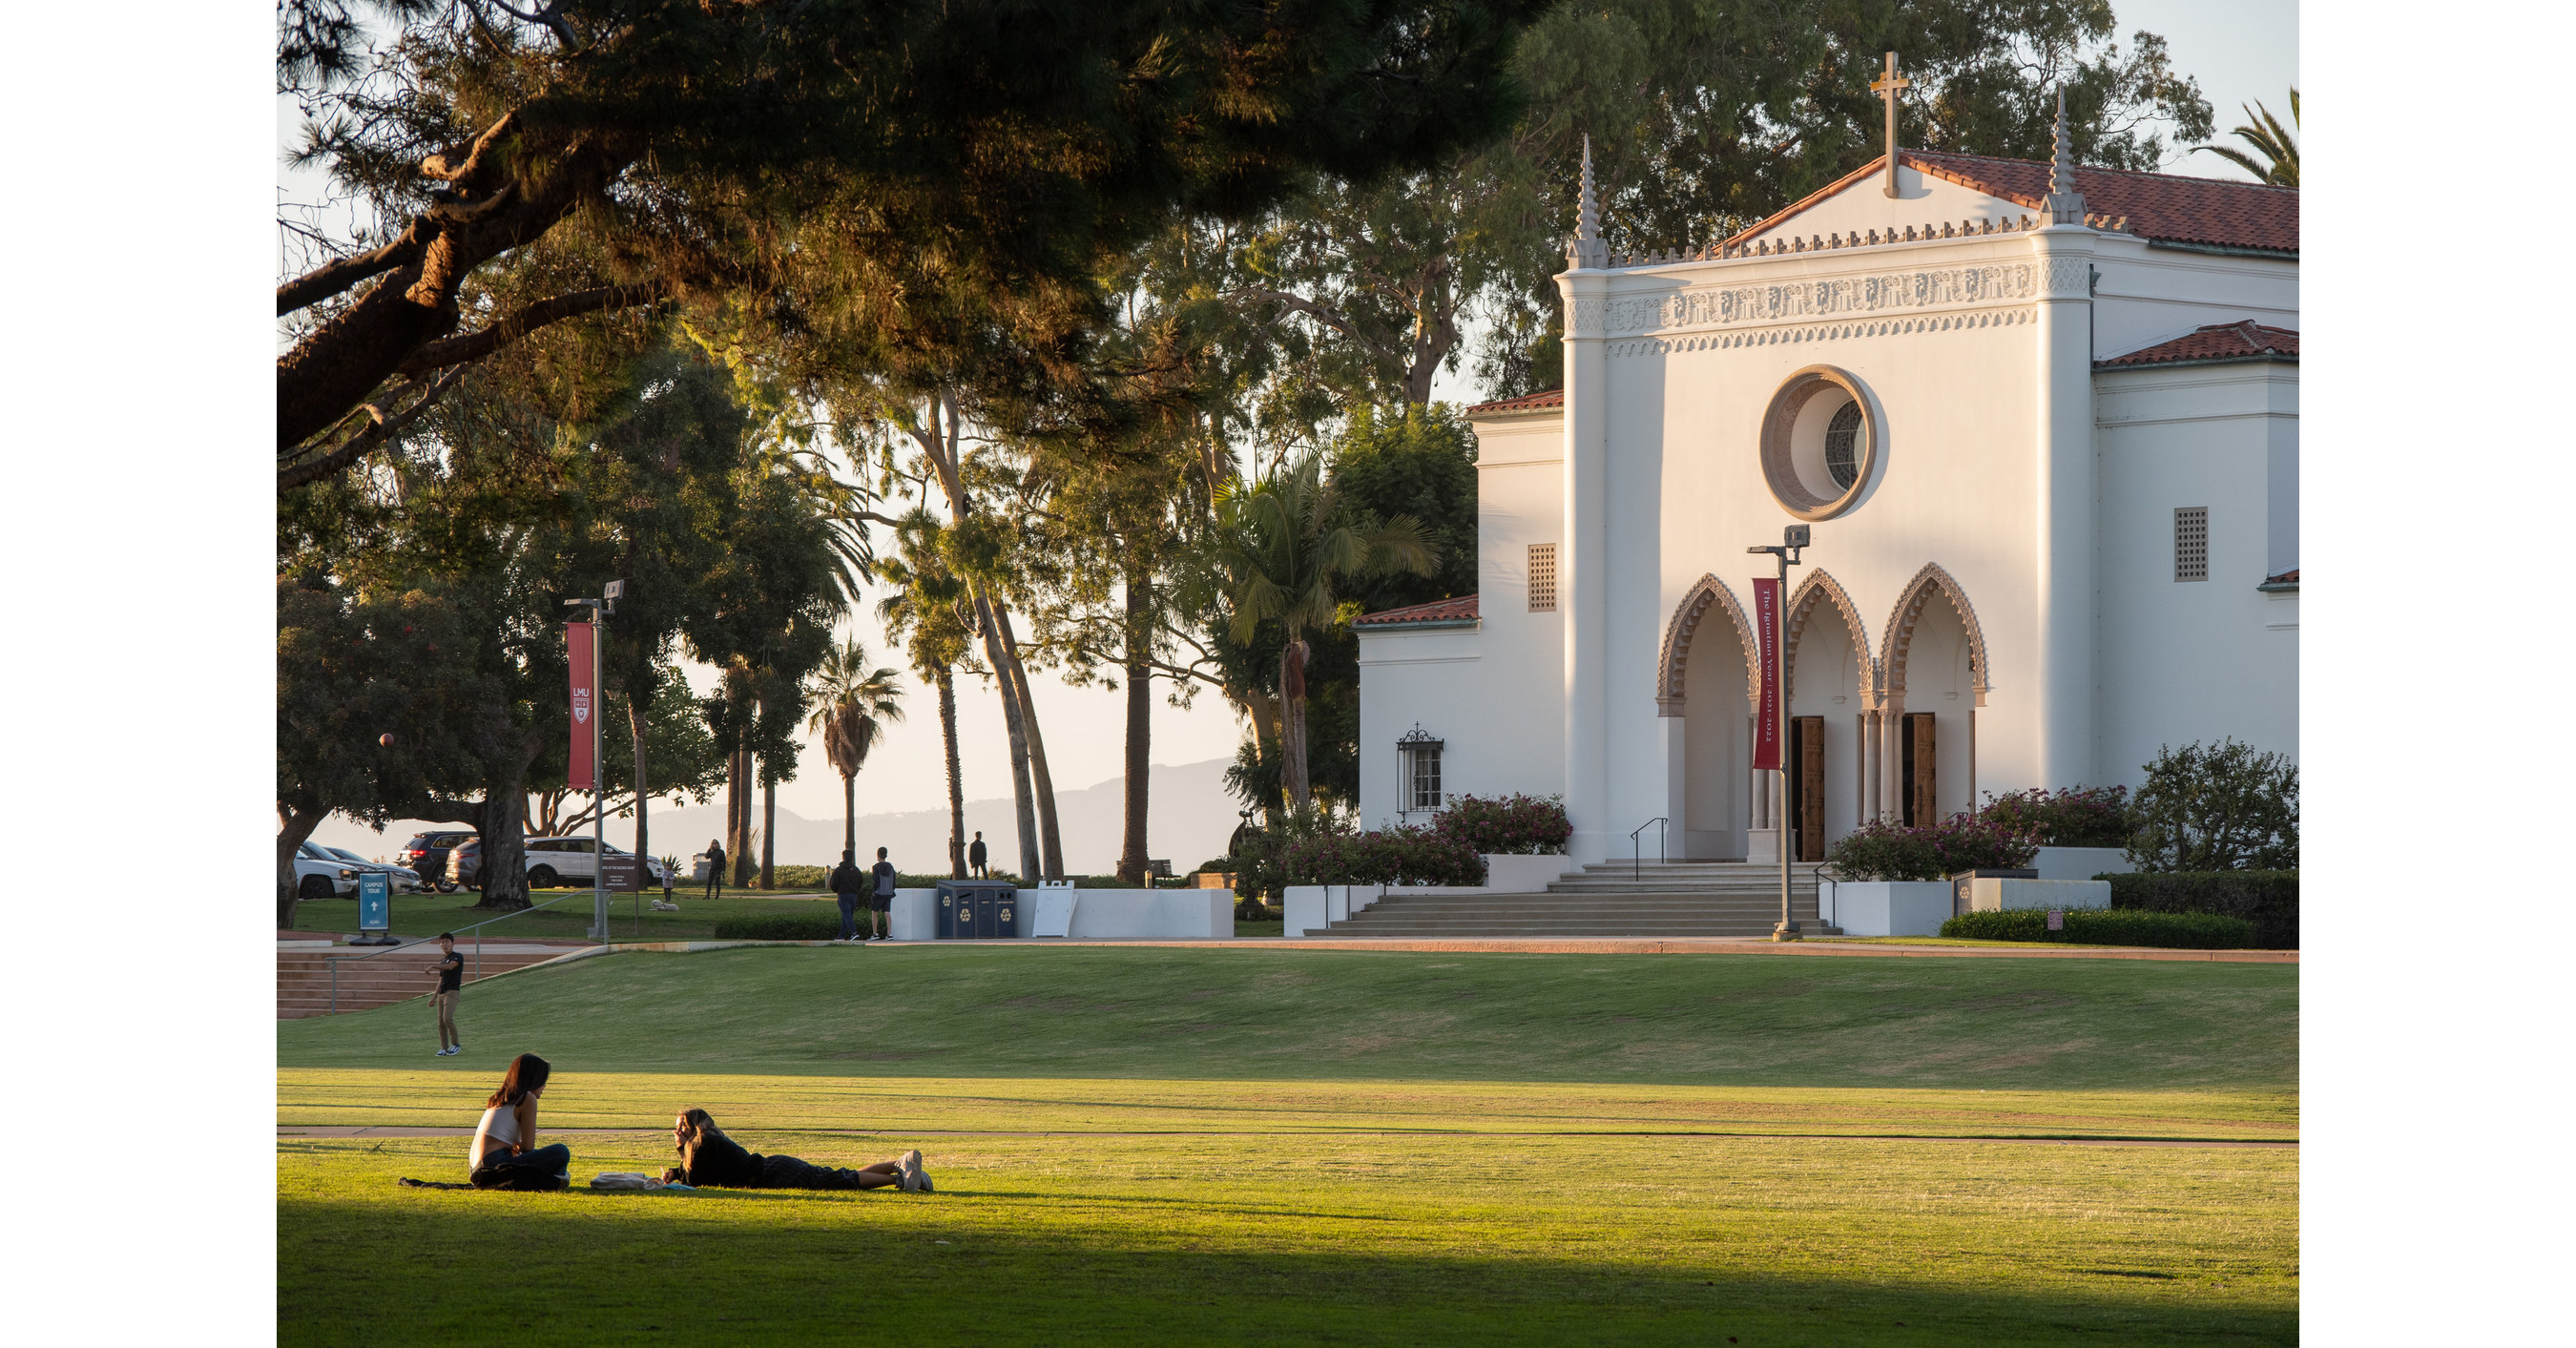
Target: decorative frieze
1791, 300
1790, 335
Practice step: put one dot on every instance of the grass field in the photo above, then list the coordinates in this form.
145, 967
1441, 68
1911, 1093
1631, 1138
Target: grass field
1293, 1146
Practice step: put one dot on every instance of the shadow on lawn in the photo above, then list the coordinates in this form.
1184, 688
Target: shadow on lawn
481, 1268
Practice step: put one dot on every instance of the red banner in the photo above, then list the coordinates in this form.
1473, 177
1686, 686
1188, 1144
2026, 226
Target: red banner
1766, 639
585, 703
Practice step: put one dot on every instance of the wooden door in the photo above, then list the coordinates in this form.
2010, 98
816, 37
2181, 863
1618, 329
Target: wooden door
1807, 785
1922, 798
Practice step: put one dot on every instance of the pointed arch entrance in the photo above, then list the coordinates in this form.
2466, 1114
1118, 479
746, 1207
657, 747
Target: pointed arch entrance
1832, 685
1705, 683
1936, 671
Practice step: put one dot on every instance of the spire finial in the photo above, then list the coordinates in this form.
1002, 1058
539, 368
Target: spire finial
2065, 204
1586, 249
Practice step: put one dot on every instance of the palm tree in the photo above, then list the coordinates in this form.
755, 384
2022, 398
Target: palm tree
930, 613
2278, 144
1282, 545
856, 702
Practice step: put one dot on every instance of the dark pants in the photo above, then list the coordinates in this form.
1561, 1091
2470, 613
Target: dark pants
787, 1172
715, 882
849, 916
543, 1168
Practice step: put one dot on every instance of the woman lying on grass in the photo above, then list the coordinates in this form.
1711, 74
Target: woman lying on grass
709, 1158
505, 1154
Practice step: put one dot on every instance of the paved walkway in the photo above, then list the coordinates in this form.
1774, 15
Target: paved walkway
1679, 945
329, 1130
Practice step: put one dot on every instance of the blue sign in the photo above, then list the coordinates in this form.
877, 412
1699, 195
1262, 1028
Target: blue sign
375, 901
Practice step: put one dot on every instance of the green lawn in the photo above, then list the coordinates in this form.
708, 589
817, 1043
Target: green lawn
567, 920
1364, 1147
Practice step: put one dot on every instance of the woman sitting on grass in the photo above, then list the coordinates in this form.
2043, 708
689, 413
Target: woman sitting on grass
708, 1158
505, 1154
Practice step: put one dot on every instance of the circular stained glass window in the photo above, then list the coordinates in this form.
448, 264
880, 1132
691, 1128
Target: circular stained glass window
1842, 446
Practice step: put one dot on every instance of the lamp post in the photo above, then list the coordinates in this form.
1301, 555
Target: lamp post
1792, 538
599, 608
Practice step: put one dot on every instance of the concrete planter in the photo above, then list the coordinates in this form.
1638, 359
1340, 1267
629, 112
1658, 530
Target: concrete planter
1311, 908
1886, 907
1993, 896
2081, 863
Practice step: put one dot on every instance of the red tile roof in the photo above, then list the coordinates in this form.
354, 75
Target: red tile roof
1545, 400
1459, 610
2218, 212
2241, 340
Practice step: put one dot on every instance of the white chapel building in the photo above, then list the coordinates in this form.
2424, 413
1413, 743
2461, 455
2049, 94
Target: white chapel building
2043, 423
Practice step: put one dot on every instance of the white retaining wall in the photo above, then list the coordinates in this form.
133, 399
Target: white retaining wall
1098, 914
1886, 907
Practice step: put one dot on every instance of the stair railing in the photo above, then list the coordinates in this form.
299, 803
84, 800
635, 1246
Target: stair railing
335, 961
1636, 864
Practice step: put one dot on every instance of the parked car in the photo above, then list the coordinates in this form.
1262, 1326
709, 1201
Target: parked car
427, 854
405, 879
551, 862
320, 875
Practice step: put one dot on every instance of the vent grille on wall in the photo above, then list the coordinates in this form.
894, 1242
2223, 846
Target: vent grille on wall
2191, 543
1542, 578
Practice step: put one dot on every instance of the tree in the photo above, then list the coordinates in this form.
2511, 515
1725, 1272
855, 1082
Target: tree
681, 763
2216, 807
373, 706
842, 167
931, 614
853, 703
2278, 145
1285, 550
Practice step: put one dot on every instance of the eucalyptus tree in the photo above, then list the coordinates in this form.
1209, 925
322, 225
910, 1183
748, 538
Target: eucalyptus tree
854, 701
931, 612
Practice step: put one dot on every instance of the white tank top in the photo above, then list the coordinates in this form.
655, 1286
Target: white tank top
499, 1129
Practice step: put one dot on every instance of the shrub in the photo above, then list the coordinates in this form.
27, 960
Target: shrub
781, 927
1883, 851
802, 877
1513, 825
2268, 899
2108, 926
2078, 816
1326, 851
2221, 807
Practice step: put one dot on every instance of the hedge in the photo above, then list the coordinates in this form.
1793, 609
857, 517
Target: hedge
2108, 926
781, 927
2268, 899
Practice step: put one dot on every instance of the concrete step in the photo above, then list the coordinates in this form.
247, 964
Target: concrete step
1664, 911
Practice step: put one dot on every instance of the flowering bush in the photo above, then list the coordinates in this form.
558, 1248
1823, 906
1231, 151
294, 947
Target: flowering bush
1513, 825
1883, 851
1327, 851
2078, 816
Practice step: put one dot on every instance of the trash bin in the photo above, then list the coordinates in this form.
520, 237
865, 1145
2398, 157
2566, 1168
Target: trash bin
977, 910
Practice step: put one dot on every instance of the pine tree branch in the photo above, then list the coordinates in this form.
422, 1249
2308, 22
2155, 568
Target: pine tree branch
384, 427
337, 275
519, 323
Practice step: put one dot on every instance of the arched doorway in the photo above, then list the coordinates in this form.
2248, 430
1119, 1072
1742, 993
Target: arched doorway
1936, 680
1832, 689
1706, 683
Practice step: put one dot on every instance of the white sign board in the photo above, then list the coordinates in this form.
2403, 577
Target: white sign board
1055, 912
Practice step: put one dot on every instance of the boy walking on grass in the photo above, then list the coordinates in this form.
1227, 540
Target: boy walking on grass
451, 976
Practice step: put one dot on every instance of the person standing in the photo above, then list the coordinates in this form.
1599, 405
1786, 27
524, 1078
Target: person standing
847, 884
882, 901
715, 869
975, 854
451, 976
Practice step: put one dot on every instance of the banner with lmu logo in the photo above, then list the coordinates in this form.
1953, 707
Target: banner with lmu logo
1766, 628
585, 703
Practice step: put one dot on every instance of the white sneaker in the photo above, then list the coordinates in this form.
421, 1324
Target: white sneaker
911, 1163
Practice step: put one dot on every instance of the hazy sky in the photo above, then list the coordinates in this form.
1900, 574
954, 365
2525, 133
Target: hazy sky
2240, 50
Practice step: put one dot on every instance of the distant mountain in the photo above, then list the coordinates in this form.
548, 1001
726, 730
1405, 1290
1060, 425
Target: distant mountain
1188, 821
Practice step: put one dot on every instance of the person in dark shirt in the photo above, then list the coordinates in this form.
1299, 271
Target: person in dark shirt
847, 884
975, 854
709, 1159
451, 977
715, 869
882, 901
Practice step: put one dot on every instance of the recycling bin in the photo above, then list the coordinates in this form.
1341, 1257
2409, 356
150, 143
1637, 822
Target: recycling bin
976, 910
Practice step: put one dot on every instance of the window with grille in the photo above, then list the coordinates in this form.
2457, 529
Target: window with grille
1424, 791
1542, 578
2191, 543
1842, 446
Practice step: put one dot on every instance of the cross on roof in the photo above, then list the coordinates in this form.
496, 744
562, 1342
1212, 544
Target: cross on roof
1887, 87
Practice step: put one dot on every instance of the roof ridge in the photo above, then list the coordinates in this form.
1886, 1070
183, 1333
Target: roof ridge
2104, 168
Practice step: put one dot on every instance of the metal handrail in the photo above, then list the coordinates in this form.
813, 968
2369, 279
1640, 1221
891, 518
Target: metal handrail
1818, 876
335, 961
1636, 849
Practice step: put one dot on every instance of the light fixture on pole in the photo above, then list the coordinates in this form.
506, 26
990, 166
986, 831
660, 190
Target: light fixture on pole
1776, 623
